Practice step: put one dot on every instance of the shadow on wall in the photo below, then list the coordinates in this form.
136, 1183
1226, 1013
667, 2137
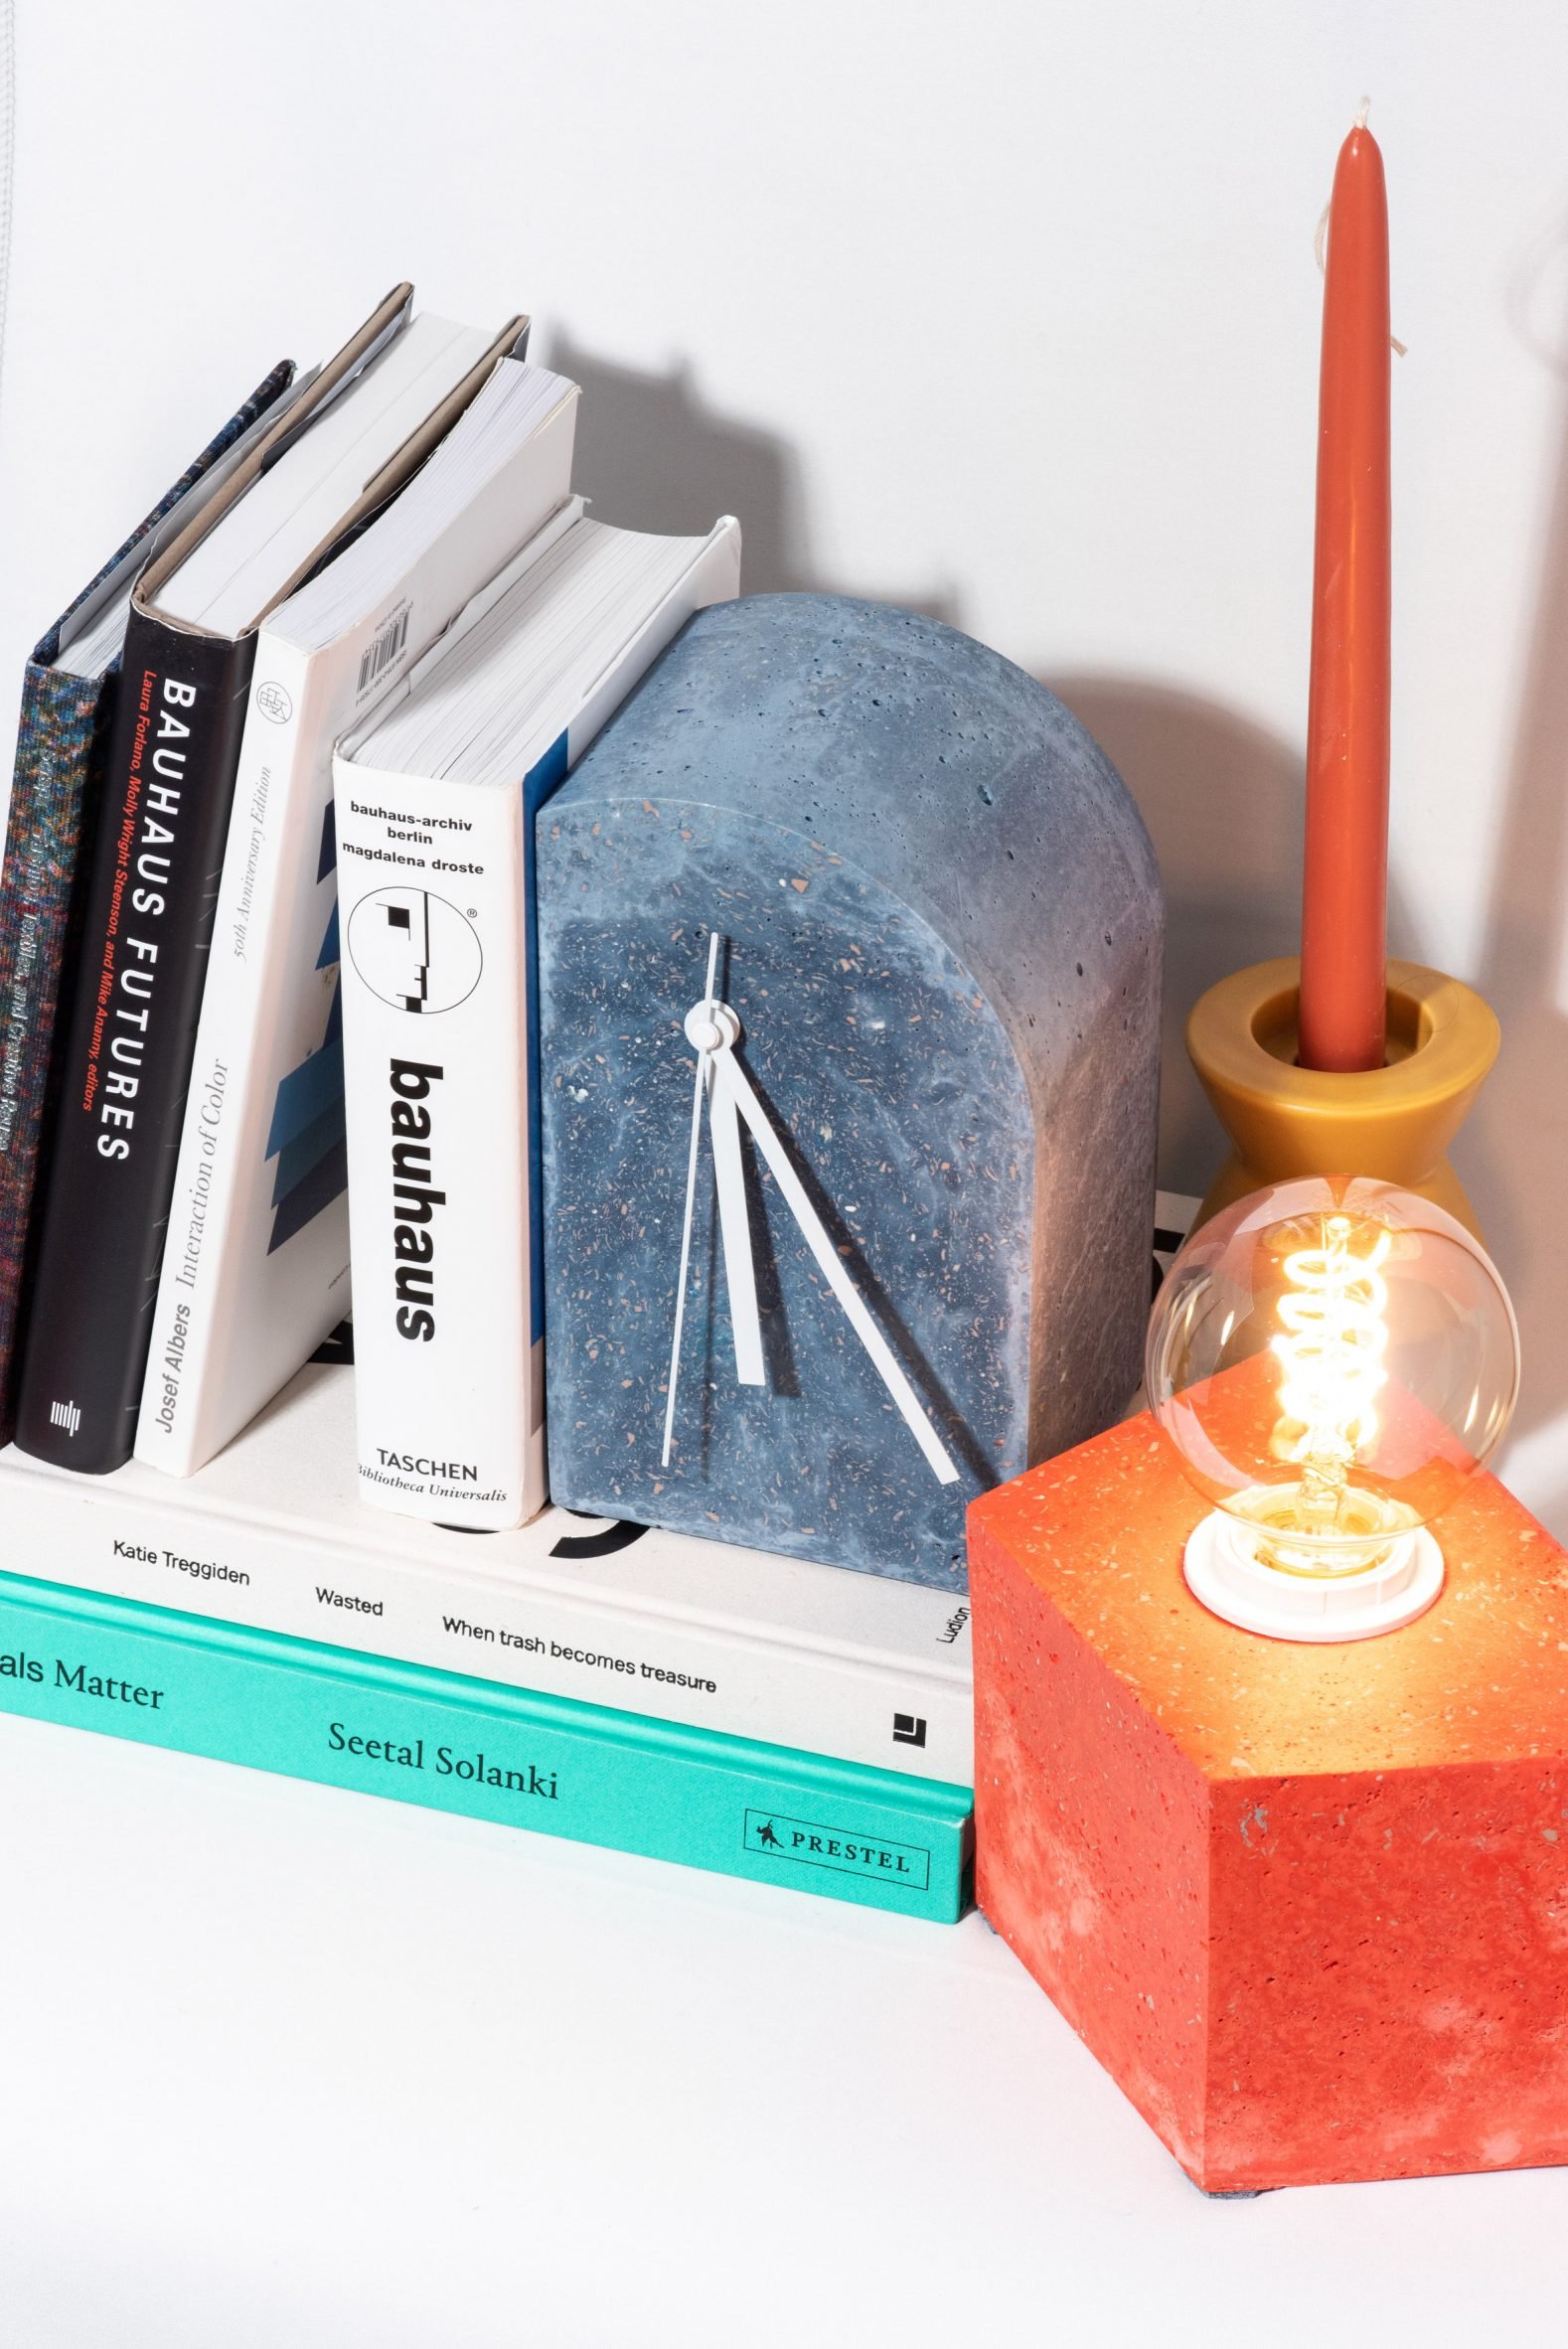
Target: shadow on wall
1517, 1180
654, 456
1223, 800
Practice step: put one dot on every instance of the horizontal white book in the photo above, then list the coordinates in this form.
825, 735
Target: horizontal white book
271, 1533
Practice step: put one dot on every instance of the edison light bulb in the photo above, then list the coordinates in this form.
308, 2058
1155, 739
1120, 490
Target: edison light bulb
1333, 1360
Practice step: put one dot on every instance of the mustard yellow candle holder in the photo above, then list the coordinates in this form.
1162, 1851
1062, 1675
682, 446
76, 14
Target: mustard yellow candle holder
1394, 1122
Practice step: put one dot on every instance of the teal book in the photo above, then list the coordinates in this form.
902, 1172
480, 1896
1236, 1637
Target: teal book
549, 1764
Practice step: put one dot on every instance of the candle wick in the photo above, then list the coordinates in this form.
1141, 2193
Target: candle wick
1361, 112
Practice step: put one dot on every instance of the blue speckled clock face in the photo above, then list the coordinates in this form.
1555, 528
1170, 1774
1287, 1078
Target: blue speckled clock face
882, 1077
910, 1254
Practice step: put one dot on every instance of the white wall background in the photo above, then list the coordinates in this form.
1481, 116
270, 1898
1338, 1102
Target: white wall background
1008, 310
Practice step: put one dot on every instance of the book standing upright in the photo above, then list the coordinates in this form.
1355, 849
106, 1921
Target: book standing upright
369, 415
68, 693
255, 1272
435, 820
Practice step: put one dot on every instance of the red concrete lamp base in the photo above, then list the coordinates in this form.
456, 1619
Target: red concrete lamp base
1307, 1903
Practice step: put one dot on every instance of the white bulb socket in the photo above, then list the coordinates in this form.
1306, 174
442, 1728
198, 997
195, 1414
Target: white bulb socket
1224, 1570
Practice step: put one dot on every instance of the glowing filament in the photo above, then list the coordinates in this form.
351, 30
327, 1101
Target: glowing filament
1331, 1349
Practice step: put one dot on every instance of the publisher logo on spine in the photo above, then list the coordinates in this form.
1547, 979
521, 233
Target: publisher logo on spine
813, 1847
273, 702
415, 950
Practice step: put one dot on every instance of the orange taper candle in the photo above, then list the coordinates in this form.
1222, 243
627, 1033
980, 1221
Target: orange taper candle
1344, 896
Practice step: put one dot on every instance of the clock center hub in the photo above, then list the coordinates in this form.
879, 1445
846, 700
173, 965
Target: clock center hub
711, 1026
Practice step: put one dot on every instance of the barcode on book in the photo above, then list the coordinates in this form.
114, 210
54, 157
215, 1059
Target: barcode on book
383, 650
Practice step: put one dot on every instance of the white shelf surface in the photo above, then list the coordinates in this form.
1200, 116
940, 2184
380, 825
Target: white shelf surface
282, 2063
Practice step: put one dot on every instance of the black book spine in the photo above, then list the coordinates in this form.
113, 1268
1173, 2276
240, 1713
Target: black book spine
148, 925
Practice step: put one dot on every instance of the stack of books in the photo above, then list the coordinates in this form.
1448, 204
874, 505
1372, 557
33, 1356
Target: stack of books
218, 1532
761, 1716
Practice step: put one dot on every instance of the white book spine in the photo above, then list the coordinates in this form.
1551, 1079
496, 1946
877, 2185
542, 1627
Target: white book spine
892, 1711
450, 1398
434, 882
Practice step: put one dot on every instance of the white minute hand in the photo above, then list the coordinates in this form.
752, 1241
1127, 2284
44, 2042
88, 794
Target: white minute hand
728, 1071
709, 1024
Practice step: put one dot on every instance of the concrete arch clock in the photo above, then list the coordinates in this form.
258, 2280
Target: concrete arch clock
849, 981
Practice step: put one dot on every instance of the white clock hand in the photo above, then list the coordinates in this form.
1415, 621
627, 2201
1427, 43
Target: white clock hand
708, 1027
728, 1075
690, 1196
734, 1220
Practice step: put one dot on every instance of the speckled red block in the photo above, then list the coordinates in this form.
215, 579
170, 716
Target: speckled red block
1309, 1906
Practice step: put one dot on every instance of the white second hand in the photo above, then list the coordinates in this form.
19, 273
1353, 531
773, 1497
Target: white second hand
727, 1070
690, 1196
